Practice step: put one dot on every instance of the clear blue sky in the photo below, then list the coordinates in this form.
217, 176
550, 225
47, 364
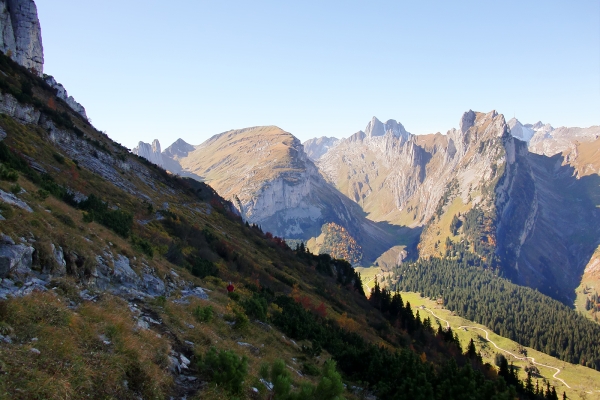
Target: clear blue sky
191, 68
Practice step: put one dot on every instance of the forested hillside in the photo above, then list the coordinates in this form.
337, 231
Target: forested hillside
516, 312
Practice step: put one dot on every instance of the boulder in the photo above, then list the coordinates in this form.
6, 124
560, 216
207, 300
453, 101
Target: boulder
153, 285
123, 273
15, 259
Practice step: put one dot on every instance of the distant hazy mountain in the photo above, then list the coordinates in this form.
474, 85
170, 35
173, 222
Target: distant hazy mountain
315, 148
150, 152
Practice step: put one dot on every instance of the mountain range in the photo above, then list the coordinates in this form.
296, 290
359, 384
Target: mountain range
413, 185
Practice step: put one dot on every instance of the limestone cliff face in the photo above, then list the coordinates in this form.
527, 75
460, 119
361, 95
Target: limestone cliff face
548, 222
399, 177
21, 34
150, 152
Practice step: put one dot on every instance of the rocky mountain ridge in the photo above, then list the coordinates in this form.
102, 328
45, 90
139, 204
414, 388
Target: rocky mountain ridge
150, 152
266, 174
530, 220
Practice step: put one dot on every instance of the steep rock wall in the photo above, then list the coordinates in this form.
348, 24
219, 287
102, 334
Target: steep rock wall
21, 33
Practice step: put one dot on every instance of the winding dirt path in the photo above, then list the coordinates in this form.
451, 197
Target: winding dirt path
487, 337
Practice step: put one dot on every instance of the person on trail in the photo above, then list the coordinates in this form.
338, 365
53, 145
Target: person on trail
230, 288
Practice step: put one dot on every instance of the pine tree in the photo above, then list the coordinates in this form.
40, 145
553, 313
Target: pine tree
471, 350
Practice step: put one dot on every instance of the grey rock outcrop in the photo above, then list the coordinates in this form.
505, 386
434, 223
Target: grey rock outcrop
549, 141
13, 200
62, 94
150, 152
123, 273
15, 259
23, 113
21, 33
59, 257
377, 128
153, 285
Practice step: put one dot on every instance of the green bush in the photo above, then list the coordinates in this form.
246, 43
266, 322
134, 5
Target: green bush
225, 368
241, 320
281, 379
6, 211
203, 268
234, 296
16, 188
97, 210
59, 158
160, 301
8, 174
42, 194
142, 245
204, 314
310, 369
264, 371
256, 307
330, 386
65, 219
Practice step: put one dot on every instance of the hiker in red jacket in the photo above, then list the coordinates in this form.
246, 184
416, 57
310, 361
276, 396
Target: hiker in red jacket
230, 288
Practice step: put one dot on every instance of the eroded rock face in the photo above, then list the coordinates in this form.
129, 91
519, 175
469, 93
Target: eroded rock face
62, 94
150, 152
21, 33
15, 259
23, 113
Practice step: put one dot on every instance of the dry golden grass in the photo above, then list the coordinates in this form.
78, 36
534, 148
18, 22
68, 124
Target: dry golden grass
73, 361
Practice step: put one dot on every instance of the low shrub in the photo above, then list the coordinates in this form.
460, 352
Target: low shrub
225, 368
8, 174
204, 314
16, 188
142, 245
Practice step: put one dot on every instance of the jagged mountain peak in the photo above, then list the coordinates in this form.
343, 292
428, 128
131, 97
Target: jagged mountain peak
377, 128
150, 152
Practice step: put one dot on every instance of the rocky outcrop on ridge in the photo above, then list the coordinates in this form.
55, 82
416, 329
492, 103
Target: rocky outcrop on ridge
21, 34
62, 94
150, 152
